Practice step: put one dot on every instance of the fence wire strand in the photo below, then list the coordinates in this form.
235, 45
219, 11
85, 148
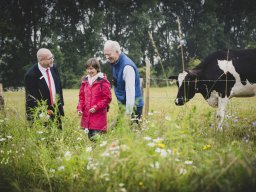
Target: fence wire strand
201, 80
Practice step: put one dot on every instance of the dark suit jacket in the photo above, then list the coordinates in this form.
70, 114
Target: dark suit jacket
37, 90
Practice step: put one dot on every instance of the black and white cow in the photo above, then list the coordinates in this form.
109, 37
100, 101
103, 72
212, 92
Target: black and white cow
219, 77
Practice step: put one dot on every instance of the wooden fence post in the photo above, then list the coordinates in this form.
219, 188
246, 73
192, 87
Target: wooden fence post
147, 86
1, 97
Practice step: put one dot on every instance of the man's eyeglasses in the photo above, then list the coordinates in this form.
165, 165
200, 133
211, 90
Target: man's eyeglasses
51, 58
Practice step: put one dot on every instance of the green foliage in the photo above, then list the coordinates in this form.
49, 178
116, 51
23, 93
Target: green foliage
193, 62
76, 30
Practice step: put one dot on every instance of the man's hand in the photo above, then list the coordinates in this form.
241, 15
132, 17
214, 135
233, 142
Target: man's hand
49, 112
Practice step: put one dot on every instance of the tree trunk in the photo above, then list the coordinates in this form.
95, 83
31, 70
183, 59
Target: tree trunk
1, 97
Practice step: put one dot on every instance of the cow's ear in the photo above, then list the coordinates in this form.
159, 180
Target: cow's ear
173, 77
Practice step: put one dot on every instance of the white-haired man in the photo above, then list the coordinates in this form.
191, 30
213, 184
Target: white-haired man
126, 79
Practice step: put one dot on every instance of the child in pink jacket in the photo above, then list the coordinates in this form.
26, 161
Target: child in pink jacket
94, 98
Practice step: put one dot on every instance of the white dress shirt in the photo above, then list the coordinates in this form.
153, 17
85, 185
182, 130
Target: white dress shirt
129, 78
43, 71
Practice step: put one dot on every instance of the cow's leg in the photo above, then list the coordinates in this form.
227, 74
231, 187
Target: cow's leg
222, 102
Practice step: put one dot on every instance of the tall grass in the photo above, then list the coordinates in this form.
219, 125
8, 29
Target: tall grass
175, 149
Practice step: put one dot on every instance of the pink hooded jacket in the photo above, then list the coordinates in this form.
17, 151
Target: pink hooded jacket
97, 95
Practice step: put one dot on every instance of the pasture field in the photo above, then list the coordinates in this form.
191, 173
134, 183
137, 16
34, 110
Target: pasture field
174, 149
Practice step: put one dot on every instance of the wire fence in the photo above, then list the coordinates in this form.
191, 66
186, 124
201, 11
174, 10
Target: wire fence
171, 95
199, 80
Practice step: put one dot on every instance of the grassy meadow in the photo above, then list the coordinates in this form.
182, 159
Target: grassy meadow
174, 149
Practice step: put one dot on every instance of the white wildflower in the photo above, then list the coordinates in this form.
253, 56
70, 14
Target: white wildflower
228, 116
52, 170
121, 184
155, 165
105, 176
44, 116
67, 155
41, 115
88, 149
105, 154
5, 161
158, 139
61, 168
162, 152
167, 118
188, 162
122, 189
124, 147
40, 132
2, 139
147, 138
151, 144
104, 143
86, 131
91, 165
79, 139
183, 171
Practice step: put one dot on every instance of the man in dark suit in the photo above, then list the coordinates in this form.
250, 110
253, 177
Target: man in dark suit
42, 83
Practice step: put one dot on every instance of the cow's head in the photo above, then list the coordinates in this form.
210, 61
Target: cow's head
186, 83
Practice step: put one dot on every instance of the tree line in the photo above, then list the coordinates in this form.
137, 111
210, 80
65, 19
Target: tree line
75, 30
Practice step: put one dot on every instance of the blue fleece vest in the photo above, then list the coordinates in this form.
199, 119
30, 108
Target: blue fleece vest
119, 87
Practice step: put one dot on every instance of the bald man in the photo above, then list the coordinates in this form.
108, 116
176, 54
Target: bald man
42, 83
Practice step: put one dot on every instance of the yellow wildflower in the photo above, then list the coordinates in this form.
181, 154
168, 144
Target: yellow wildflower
208, 146
161, 145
